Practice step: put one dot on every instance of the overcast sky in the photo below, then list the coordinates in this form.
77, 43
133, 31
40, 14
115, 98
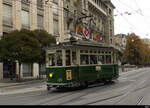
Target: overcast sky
132, 16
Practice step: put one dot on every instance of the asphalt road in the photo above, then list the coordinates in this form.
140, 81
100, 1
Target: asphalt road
132, 88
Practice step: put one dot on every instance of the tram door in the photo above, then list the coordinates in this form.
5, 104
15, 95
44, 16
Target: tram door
71, 64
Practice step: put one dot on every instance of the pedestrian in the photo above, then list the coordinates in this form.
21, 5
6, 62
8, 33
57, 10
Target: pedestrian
11, 72
122, 67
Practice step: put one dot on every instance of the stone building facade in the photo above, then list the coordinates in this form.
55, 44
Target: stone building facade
147, 41
84, 19
90, 19
30, 14
120, 40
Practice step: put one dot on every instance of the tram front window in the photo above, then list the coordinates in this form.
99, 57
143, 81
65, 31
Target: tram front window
74, 59
51, 59
68, 62
59, 57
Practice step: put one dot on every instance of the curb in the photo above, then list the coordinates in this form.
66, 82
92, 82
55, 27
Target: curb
22, 83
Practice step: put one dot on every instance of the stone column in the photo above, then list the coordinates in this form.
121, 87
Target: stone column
1, 33
17, 69
21, 71
33, 15
48, 16
16, 14
107, 30
61, 21
1, 18
35, 70
1, 71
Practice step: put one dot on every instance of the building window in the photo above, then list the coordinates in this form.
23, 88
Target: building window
40, 22
56, 25
110, 12
25, 1
27, 70
40, 3
56, 1
7, 14
25, 19
56, 10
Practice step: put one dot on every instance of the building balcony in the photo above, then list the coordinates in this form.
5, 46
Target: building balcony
69, 14
99, 6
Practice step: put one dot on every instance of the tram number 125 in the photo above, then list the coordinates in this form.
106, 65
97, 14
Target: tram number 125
68, 74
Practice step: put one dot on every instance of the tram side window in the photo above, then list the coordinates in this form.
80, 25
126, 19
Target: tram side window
93, 59
74, 59
59, 57
68, 60
108, 59
101, 59
84, 59
51, 60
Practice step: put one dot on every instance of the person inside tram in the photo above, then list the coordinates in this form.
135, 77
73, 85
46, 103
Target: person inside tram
83, 62
99, 62
74, 62
93, 59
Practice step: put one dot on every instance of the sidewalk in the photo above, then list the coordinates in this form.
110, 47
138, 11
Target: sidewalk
8, 82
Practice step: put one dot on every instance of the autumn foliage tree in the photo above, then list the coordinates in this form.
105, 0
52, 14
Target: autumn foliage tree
136, 52
146, 50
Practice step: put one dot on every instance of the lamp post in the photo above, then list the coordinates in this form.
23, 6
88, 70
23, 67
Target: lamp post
134, 51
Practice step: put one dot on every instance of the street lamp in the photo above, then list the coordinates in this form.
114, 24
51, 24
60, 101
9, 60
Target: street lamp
133, 41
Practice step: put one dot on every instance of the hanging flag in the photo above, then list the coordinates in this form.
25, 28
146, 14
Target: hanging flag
97, 37
79, 28
86, 31
101, 38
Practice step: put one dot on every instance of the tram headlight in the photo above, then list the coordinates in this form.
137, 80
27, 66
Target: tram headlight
51, 75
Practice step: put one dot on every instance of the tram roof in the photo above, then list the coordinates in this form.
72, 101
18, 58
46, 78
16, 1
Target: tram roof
81, 45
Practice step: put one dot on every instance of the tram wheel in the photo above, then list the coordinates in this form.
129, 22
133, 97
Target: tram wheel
108, 81
84, 85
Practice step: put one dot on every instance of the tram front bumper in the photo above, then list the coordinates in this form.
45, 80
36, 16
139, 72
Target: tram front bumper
51, 85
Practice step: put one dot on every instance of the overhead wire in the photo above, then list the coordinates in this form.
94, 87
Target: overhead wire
138, 11
145, 20
122, 15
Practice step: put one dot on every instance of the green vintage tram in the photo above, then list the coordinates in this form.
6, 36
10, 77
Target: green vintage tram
80, 64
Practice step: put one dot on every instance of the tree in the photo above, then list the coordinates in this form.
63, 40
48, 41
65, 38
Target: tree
146, 55
18, 45
25, 46
45, 39
134, 52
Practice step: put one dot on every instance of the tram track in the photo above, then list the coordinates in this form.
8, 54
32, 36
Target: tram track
103, 91
75, 95
101, 100
74, 98
123, 94
78, 97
